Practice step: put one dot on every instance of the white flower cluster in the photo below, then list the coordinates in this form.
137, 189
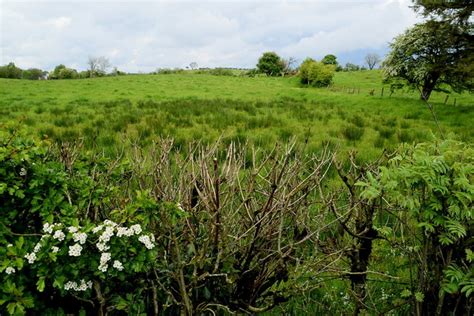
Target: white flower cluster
48, 228
75, 250
79, 237
59, 235
22, 172
104, 258
10, 270
118, 265
83, 286
31, 257
147, 241
133, 230
105, 231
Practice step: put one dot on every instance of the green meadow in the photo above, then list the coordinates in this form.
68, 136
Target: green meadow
111, 112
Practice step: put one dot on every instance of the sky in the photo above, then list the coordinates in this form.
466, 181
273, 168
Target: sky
141, 36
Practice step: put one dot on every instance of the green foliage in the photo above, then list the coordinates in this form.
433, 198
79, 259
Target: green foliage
34, 74
270, 64
10, 71
431, 56
433, 183
351, 67
329, 60
316, 74
62, 72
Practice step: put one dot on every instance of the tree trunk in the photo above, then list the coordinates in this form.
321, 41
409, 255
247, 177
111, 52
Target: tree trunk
428, 86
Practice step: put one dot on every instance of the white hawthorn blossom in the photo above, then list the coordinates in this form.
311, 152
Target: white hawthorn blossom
10, 270
118, 265
137, 229
54, 249
96, 229
108, 232
75, 250
145, 239
102, 246
37, 248
79, 237
48, 228
104, 258
31, 257
59, 235
81, 287
72, 229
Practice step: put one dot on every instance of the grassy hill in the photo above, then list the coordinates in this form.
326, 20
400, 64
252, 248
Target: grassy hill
108, 112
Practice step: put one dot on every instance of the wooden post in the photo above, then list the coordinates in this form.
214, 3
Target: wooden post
455, 101
381, 94
446, 99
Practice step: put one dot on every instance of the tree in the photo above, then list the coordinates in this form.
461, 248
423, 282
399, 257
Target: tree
98, 66
193, 65
289, 65
329, 60
430, 56
316, 73
271, 64
62, 72
351, 67
454, 11
34, 74
10, 71
372, 60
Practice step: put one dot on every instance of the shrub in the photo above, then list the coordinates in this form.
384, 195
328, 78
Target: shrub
316, 73
270, 64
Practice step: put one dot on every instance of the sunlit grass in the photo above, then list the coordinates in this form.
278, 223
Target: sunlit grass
109, 112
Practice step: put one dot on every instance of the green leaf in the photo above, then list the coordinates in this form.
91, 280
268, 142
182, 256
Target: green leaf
40, 284
419, 297
469, 255
405, 293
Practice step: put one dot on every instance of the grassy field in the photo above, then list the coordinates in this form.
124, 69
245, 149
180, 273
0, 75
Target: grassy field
108, 112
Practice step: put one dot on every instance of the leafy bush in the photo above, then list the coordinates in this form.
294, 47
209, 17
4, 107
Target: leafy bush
270, 64
433, 184
316, 74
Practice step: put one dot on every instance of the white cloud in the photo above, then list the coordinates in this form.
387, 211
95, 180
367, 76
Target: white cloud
60, 22
144, 35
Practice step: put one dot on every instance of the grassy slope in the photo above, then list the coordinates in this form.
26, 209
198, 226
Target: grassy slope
264, 110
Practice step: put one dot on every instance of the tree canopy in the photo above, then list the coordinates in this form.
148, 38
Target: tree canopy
431, 56
271, 64
329, 60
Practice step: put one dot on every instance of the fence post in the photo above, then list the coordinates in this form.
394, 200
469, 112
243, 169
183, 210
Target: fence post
381, 94
446, 99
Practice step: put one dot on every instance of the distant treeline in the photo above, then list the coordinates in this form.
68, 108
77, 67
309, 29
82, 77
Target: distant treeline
11, 71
